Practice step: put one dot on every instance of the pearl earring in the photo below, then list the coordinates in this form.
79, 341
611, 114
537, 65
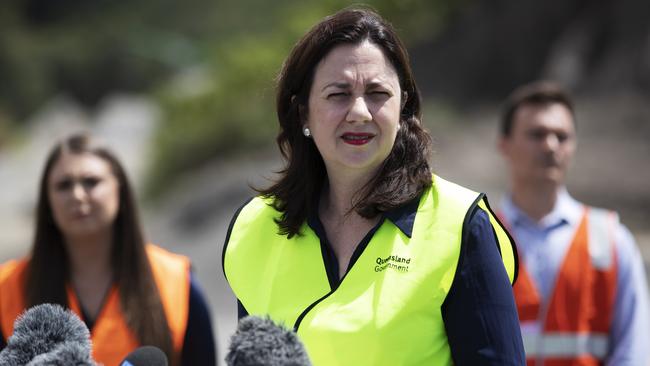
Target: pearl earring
306, 132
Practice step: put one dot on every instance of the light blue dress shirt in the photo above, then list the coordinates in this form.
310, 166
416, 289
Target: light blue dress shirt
543, 245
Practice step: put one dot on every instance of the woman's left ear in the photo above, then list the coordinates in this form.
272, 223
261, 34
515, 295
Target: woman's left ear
405, 97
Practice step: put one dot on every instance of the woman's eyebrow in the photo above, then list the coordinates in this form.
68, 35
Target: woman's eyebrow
337, 84
377, 84
346, 85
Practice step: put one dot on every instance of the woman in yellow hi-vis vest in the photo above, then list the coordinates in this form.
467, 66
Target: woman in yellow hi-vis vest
367, 255
89, 255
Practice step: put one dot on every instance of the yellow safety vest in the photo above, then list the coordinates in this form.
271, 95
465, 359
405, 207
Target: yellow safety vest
387, 308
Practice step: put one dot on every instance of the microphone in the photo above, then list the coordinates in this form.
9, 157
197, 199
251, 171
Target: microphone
49, 335
66, 354
260, 342
145, 356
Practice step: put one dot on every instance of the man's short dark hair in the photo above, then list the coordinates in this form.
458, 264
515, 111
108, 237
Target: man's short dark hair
536, 93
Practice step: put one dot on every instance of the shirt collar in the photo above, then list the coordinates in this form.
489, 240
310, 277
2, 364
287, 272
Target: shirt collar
403, 217
566, 210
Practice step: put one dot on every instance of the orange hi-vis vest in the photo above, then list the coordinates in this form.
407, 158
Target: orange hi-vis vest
572, 328
112, 340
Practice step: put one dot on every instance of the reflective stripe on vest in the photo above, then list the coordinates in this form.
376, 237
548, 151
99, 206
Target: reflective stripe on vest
575, 322
111, 338
566, 345
601, 237
386, 310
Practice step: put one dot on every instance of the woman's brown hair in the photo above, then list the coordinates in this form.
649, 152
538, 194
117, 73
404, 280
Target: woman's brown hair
404, 174
47, 272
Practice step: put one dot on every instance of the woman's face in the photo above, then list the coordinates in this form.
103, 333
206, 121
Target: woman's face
83, 194
354, 108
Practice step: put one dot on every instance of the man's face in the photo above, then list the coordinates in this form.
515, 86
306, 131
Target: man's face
541, 144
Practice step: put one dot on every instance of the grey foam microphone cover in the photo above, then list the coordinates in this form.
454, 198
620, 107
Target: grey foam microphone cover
65, 354
48, 335
261, 342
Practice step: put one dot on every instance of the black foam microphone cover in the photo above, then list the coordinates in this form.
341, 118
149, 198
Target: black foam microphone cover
261, 342
48, 335
146, 356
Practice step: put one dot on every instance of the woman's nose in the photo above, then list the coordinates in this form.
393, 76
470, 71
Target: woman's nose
78, 191
359, 111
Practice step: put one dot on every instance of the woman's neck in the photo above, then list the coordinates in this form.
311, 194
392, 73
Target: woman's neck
344, 227
339, 194
90, 256
91, 275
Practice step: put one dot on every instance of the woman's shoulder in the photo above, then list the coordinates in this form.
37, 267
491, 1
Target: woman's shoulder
164, 257
260, 203
445, 186
255, 207
12, 286
12, 269
452, 195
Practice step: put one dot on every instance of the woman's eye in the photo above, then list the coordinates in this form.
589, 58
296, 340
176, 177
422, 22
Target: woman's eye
339, 95
89, 182
63, 185
379, 95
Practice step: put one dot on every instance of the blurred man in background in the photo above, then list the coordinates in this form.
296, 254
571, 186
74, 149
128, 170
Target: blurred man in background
581, 294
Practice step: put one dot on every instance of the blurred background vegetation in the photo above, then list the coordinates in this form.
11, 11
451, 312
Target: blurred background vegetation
187, 87
211, 65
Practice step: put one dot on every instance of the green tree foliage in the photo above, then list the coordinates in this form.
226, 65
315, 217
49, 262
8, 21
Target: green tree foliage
230, 107
211, 64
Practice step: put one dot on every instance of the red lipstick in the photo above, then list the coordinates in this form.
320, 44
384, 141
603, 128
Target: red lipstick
357, 138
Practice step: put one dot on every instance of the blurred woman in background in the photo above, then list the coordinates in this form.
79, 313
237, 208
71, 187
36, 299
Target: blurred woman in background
367, 255
90, 255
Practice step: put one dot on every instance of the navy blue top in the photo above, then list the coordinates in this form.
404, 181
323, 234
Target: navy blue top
479, 312
198, 345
